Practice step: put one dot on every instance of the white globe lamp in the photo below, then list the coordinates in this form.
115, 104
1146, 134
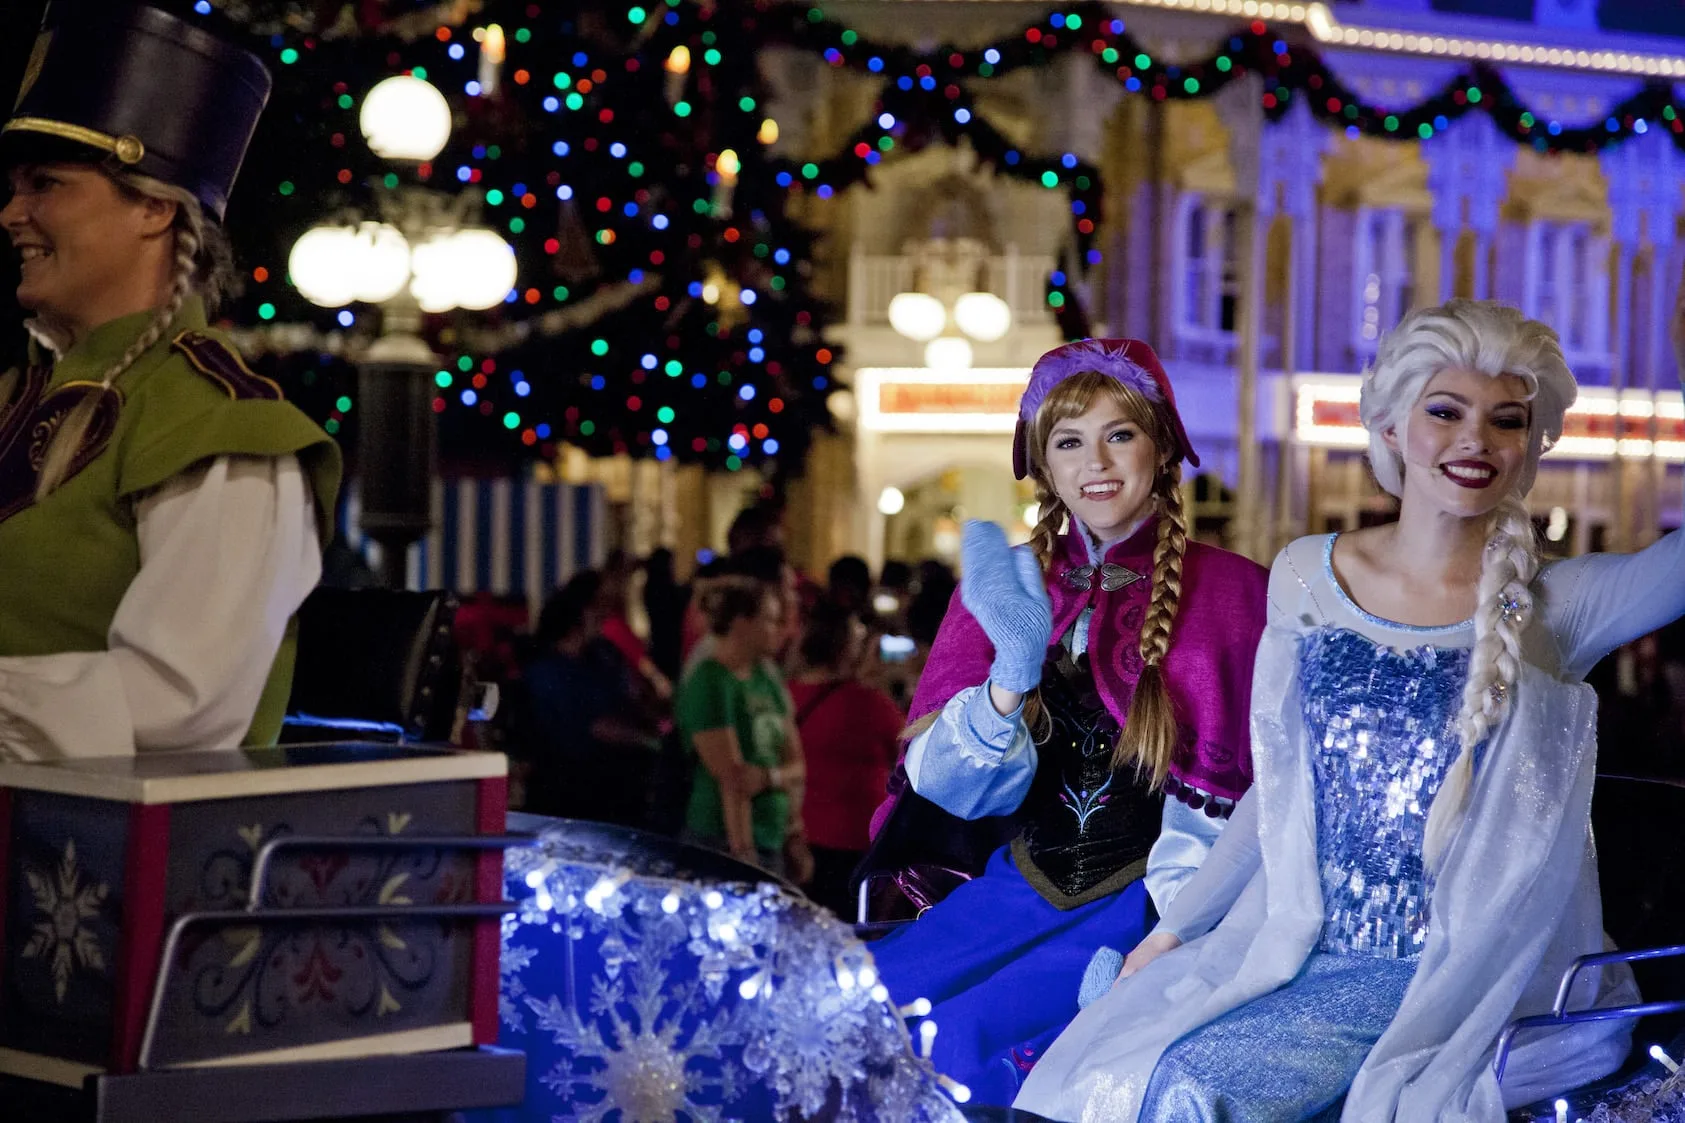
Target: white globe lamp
380, 262
891, 501
486, 268
320, 266
983, 316
433, 273
917, 315
405, 118
948, 354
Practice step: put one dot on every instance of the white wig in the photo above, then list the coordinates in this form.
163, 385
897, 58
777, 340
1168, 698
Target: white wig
1493, 339
1477, 335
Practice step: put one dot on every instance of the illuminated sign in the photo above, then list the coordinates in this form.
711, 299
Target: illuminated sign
920, 400
1600, 424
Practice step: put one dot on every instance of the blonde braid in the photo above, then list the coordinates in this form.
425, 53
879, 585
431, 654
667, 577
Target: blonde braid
67, 442
1503, 610
1150, 731
1050, 522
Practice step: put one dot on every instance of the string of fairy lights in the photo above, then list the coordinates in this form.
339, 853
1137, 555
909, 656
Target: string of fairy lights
633, 145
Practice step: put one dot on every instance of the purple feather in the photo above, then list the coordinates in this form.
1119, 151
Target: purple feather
1075, 358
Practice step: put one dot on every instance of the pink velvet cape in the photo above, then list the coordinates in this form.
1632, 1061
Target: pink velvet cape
1208, 666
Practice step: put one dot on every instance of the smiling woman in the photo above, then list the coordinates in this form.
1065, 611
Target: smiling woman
1078, 741
157, 547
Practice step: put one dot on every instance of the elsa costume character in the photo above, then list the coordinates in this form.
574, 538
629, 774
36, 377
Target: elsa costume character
1414, 866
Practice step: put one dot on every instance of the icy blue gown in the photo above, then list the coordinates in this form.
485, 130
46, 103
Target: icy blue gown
1384, 721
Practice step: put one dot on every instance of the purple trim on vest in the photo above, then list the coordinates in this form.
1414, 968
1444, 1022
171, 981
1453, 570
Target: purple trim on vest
28, 426
213, 359
1208, 667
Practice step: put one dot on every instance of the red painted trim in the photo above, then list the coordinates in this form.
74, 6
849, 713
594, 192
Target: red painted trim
145, 866
5, 873
483, 980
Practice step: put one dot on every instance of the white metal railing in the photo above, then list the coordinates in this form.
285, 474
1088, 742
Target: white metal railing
875, 279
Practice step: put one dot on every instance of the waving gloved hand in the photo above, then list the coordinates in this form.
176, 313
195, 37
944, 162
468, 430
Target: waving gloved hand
1004, 590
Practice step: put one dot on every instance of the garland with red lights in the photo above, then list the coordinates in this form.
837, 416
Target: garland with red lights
1287, 69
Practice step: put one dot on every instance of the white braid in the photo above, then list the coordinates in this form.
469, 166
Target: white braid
1503, 609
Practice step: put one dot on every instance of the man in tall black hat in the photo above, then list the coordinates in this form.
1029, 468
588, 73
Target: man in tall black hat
161, 507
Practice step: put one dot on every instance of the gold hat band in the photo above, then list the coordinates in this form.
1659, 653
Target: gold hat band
127, 149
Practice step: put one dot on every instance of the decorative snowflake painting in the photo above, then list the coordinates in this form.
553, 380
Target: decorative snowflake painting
64, 901
640, 997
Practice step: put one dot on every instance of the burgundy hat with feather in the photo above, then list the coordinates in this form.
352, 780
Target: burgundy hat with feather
1130, 361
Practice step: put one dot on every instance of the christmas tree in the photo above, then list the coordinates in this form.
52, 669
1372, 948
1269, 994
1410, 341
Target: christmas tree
663, 304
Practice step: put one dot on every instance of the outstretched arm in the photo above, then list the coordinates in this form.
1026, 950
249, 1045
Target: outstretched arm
1596, 603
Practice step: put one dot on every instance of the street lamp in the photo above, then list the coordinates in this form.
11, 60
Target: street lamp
426, 245
473, 269
950, 269
983, 316
917, 315
405, 118
423, 256
333, 266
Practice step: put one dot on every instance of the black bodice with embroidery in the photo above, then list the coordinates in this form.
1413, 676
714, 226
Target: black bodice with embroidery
1086, 829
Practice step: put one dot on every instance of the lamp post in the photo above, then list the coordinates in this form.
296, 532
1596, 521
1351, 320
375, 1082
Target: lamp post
925, 316
423, 255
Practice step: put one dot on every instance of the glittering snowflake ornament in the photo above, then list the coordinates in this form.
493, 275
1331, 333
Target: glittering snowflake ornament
641, 996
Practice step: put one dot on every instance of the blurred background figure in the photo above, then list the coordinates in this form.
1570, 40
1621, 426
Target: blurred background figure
736, 720
613, 599
850, 735
665, 601
906, 644
895, 589
1641, 711
591, 748
849, 585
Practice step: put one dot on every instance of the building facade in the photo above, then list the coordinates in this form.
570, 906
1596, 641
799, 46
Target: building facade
1262, 259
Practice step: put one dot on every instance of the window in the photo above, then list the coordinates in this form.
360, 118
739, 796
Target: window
1210, 287
1568, 287
1384, 274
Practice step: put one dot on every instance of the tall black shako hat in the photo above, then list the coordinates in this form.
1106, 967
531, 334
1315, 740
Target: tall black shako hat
140, 90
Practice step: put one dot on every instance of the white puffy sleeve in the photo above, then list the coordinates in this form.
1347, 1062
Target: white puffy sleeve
1185, 838
973, 761
228, 551
1209, 893
1595, 603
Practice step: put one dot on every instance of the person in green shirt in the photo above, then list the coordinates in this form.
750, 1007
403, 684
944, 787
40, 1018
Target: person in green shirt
736, 718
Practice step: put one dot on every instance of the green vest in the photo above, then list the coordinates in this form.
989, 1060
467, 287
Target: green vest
68, 560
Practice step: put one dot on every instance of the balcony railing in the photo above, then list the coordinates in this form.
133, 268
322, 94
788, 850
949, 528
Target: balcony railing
875, 279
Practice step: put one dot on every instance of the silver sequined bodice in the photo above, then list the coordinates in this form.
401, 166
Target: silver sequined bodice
1382, 723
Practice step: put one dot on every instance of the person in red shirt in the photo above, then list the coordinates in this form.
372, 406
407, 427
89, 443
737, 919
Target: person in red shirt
850, 732
617, 628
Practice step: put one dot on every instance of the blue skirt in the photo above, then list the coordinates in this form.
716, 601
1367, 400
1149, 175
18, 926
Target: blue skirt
1001, 968
1286, 1057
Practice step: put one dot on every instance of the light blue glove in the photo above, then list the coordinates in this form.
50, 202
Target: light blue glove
1004, 590
1101, 974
